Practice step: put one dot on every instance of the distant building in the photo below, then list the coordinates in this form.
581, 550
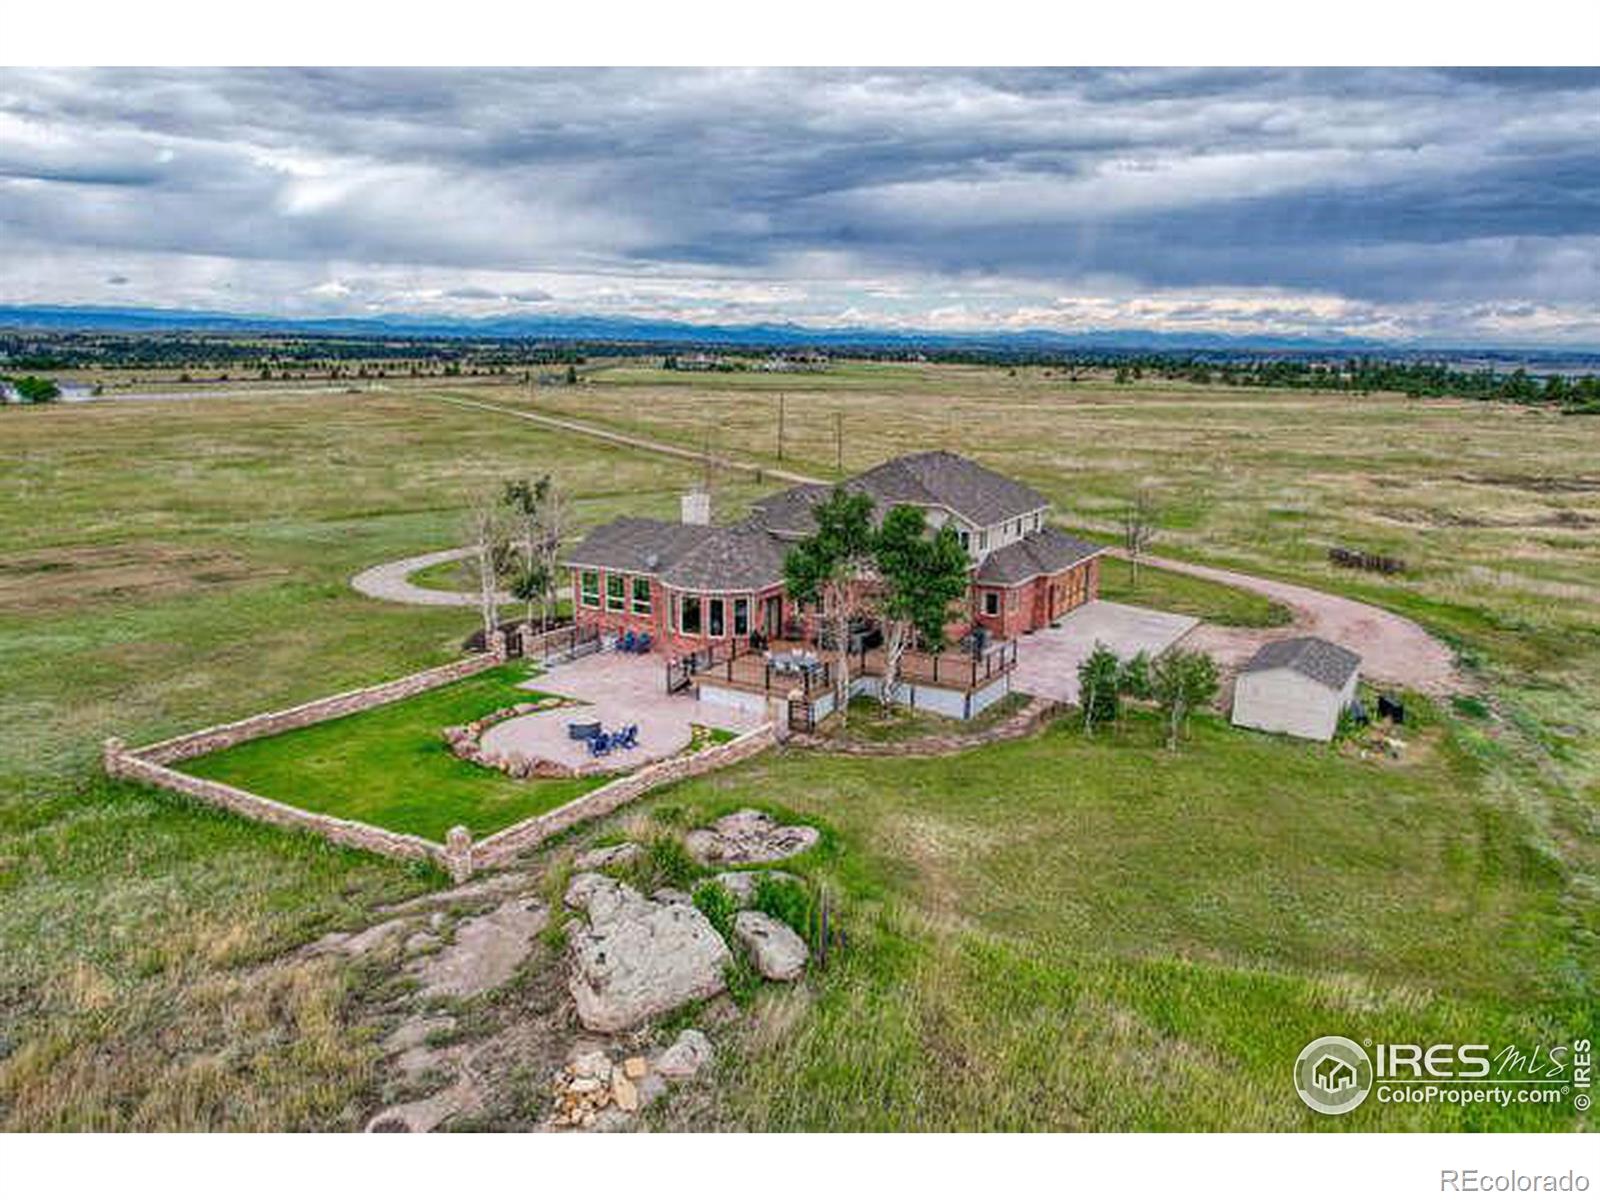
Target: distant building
1297, 686
698, 362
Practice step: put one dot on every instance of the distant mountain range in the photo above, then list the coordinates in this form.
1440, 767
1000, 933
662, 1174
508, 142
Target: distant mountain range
628, 330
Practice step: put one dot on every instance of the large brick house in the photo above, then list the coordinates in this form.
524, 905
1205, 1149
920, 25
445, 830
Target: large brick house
690, 584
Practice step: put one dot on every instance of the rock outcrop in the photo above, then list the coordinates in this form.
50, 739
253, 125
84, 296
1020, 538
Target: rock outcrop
749, 836
638, 958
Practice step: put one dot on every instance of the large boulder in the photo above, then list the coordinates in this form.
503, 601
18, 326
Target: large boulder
639, 958
776, 950
749, 836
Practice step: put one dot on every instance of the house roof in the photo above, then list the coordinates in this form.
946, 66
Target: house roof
637, 544
790, 512
1318, 660
692, 557
933, 478
732, 558
1041, 552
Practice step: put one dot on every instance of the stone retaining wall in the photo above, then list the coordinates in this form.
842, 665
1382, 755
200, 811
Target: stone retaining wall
1019, 724
124, 764
499, 848
220, 737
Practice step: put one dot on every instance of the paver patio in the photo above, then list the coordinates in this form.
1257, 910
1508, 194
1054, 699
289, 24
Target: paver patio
1047, 660
617, 690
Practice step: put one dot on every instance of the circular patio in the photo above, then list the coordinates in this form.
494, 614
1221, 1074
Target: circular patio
544, 735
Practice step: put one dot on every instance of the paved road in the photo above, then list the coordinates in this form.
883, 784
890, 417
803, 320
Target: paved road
391, 581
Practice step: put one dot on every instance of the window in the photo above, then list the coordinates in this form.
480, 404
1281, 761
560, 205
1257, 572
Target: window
589, 589
966, 540
689, 614
641, 594
983, 541
991, 604
741, 616
1038, 521
714, 625
616, 593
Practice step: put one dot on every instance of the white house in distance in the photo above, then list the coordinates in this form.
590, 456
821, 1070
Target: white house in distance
1298, 686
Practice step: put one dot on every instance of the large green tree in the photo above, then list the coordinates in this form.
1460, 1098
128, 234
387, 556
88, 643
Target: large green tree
833, 568
920, 578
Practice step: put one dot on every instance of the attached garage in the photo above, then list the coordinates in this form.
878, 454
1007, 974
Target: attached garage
1298, 686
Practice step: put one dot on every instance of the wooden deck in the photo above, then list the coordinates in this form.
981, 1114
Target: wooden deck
750, 671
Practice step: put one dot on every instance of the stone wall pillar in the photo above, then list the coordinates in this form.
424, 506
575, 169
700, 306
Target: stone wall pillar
778, 714
111, 751
525, 638
458, 851
497, 645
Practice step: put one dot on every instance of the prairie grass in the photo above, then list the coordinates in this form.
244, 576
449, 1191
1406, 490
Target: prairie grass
1060, 933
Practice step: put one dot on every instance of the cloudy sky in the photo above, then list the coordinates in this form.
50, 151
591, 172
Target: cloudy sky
1459, 207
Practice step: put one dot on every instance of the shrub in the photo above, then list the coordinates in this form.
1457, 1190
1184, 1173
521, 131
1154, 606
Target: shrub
719, 907
1098, 678
1134, 678
789, 901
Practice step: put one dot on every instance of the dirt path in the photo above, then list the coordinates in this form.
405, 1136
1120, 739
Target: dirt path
634, 442
1393, 649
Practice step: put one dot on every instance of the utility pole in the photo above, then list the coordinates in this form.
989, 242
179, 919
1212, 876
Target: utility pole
780, 426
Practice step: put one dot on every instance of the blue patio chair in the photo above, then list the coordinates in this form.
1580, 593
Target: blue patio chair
626, 644
599, 745
642, 646
627, 739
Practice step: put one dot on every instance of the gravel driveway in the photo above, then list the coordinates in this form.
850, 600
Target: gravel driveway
1394, 649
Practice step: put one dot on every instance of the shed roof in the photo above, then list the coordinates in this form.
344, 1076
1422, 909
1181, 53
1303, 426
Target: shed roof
1319, 660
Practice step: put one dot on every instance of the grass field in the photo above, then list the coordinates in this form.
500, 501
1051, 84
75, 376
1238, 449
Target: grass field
1092, 933
1056, 933
389, 766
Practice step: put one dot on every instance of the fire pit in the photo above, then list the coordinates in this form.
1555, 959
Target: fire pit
582, 731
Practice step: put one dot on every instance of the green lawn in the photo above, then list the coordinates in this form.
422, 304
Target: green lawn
1173, 592
1094, 933
388, 766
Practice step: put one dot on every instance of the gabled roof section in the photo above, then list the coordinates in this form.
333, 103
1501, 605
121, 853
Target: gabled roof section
1042, 552
982, 496
1322, 661
935, 478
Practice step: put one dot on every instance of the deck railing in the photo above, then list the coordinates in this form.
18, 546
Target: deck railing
737, 665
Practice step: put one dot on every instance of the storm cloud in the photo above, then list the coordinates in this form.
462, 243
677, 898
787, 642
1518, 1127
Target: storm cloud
1416, 204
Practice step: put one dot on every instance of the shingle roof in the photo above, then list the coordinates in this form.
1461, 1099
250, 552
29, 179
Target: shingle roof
707, 557
790, 512
638, 544
733, 558
935, 477
1316, 659
982, 496
1042, 552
